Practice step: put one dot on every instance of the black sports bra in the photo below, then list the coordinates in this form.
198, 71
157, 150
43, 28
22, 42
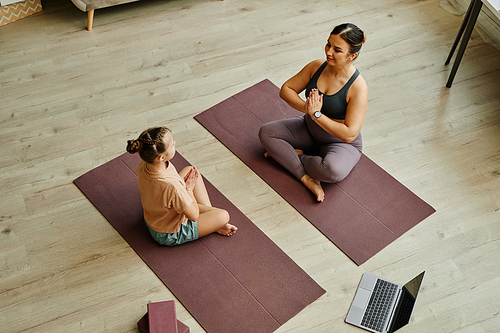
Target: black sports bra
334, 106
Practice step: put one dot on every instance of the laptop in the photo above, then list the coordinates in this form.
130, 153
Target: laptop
381, 305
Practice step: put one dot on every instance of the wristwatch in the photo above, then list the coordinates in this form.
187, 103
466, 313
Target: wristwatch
317, 114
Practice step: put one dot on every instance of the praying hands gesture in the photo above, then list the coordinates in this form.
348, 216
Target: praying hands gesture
314, 102
191, 177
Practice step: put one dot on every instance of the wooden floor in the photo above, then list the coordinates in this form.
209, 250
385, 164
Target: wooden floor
71, 98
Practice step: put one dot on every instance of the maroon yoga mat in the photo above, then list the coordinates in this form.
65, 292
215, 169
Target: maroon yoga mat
361, 215
242, 283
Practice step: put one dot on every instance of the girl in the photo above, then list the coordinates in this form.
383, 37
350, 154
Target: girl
176, 206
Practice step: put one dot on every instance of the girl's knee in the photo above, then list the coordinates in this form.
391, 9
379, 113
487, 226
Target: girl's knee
222, 216
225, 216
185, 170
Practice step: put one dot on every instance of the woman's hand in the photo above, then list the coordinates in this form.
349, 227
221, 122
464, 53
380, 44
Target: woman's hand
191, 178
314, 102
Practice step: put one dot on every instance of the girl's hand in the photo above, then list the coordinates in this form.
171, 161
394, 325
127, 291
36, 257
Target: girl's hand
314, 102
191, 178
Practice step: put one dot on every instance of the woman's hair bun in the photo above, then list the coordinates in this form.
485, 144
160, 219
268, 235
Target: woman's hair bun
134, 146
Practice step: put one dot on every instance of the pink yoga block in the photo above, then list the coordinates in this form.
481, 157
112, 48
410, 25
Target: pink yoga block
161, 318
181, 327
143, 325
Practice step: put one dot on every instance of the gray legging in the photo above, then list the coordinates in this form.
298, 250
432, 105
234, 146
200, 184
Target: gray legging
326, 157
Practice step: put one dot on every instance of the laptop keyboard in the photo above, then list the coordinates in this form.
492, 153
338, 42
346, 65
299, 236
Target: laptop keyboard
379, 305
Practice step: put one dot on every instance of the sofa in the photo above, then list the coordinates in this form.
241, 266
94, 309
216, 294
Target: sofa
90, 5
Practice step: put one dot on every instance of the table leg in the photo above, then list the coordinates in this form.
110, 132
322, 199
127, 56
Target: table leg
471, 18
460, 32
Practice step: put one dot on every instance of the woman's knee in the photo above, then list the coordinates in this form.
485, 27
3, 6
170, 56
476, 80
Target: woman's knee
335, 172
265, 132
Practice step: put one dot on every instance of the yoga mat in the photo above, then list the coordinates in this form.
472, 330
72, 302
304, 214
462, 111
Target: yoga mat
361, 214
242, 283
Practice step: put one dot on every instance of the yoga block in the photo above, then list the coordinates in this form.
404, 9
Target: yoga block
143, 325
181, 327
161, 318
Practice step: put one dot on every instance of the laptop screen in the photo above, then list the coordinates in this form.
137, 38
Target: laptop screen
414, 285
405, 306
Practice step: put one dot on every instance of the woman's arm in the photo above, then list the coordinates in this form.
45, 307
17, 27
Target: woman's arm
357, 101
296, 84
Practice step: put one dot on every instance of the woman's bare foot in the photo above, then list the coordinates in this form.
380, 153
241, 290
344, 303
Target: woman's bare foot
227, 230
315, 187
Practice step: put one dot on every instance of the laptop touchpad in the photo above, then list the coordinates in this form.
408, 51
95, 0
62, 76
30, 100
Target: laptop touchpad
361, 298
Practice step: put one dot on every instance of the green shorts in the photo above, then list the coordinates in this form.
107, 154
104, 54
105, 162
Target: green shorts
187, 233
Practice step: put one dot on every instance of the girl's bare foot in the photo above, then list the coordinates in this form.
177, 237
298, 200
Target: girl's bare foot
315, 187
227, 230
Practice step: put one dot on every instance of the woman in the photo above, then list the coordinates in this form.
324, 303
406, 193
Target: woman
325, 144
176, 206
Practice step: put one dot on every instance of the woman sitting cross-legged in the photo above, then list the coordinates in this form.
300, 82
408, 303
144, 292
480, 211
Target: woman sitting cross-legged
176, 206
325, 144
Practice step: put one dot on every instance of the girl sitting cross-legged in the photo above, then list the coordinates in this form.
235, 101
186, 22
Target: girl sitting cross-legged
176, 205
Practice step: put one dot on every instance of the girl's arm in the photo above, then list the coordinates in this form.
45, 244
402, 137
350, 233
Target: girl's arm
193, 211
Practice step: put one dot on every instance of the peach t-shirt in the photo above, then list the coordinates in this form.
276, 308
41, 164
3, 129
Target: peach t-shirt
164, 198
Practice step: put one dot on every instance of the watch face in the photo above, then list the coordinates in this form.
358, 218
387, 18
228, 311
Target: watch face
317, 114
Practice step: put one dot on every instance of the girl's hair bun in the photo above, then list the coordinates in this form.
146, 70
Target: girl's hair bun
134, 146
150, 144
